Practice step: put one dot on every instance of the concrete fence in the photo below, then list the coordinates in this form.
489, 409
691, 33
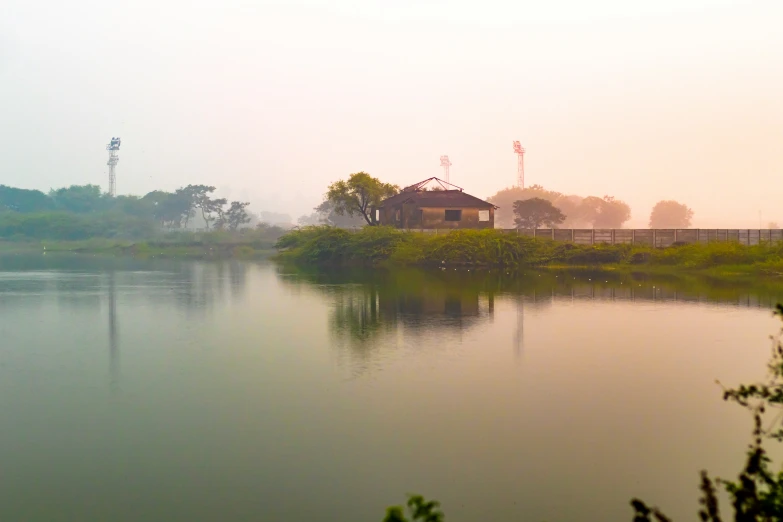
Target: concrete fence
660, 237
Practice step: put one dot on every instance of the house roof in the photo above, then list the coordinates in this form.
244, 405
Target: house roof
438, 199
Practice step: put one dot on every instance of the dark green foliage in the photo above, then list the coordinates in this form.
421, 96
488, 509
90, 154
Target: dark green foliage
536, 212
81, 212
172, 210
497, 248
358, 195
21, 200
80, 199
421, 511
68, 226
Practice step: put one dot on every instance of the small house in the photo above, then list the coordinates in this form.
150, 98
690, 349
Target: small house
441, 206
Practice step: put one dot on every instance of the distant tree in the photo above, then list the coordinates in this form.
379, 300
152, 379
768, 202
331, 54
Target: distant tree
606, 212
80, 199
132, 206
199, 196
235, 216
170, 209
505, 199
535, 212
274, 218
329, 216
670, 214
358, 195
22, 200
309, 220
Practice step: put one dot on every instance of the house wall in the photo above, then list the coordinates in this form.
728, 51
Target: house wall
436, 218
411, 216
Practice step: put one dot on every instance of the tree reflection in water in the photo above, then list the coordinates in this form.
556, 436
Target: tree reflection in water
381, 308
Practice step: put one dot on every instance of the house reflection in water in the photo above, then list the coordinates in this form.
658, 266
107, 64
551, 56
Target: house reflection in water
372, 316
418, 305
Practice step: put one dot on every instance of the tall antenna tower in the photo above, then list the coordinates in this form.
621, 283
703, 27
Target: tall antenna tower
519, 150
113, 147
445, 163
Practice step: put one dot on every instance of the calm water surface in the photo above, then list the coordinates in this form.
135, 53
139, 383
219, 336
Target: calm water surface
179, 391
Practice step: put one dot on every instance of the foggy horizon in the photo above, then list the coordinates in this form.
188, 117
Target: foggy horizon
272, 101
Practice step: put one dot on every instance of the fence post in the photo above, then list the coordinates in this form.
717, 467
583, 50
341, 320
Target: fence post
553, 234
655, 237
613, 235
633, 236
675, 235
572, 235
592, 237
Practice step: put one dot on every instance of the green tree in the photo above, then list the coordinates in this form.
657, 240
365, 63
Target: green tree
80, 199
536, 212
505, 199
22, 200
358, 195
234, 217
421, 511
670, 214
132, 206
171, 210
200, 198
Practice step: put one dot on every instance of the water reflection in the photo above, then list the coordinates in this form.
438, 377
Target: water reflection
371, 309
82, 282
114, 350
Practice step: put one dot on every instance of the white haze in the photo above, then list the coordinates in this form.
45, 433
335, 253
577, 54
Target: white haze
271, 101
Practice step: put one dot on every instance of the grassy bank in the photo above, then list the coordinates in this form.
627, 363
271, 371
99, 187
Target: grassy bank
244, 244
381, 246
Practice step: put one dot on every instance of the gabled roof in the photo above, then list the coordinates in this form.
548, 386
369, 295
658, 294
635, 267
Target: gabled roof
435, 198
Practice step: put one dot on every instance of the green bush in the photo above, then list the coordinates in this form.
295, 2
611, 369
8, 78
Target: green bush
372, 246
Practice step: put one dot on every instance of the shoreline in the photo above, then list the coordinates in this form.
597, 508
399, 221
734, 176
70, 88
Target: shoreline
196, 250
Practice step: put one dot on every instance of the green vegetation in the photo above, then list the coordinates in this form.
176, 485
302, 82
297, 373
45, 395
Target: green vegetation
215, 244
82, 212
358, 195
377, 246
421, 511
536, 212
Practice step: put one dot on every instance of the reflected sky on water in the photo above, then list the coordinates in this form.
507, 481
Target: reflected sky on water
170, 390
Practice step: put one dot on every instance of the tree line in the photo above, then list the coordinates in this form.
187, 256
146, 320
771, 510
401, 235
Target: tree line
81, 211
349, 203
536, 207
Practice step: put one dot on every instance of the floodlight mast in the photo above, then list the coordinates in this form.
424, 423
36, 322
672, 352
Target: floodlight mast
113, 147
520, 152
445, 163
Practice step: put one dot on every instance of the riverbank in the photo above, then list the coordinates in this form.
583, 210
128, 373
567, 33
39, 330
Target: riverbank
210, 245
381, 246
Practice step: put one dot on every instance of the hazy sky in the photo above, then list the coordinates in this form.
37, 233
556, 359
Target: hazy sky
272, 100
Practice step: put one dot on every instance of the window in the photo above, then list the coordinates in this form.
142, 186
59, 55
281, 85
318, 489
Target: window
483, 215
453, 215
377, 215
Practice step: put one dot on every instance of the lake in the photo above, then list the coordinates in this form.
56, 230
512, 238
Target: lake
154, 390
